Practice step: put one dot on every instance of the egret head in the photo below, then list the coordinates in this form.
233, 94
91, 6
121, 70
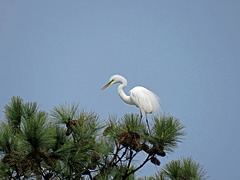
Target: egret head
113, 80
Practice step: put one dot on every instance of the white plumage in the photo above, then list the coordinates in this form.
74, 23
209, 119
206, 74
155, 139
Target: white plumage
144, 99
141, 97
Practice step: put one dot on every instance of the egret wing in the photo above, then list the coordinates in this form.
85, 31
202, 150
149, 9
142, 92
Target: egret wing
145, 99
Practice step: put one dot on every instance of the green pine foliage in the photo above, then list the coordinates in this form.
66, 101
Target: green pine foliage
64, 113
36, 133
14, 112
182, 169
29, 109
7, 139
167, 132
69, 143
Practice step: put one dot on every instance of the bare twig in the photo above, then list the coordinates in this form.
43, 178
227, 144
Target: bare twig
133, 171
90, 176
115, 154
121, 156
130, 159
18, 176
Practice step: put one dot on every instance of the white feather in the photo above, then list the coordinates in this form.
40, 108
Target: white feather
145, 99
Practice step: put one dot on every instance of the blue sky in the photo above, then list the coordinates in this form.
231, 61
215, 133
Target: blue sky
187, 52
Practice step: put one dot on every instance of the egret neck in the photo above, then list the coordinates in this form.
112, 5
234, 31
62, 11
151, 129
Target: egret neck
122, 94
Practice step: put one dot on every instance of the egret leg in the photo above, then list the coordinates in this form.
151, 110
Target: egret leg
148, 125
141, 115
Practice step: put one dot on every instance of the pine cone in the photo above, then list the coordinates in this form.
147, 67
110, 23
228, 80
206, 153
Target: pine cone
161, 152
151, 151
136, 145
125, 139
136, 135
95, 156
155, 161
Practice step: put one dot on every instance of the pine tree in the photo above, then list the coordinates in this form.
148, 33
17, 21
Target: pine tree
69, 143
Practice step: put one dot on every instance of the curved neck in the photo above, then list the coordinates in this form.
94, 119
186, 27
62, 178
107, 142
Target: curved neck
121, 93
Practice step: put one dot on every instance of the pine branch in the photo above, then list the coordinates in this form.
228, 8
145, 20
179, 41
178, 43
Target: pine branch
115, 154
16, 168
130, 159
121, 156
139, 167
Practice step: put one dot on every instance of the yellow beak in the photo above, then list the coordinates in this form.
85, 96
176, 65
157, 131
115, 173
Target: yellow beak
108, 84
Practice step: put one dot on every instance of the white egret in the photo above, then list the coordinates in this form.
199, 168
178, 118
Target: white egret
141, 97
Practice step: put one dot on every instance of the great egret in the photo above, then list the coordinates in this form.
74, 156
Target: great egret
141, 97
